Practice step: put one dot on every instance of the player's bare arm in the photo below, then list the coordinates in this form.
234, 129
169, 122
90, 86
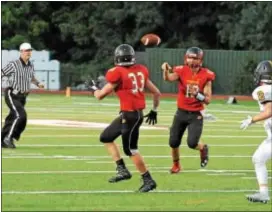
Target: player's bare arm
156, 93
107, 89
204, 97
266, 114
167, 75
208, 92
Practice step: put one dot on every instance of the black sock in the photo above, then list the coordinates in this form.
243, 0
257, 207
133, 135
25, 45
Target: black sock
176, 161
120, 163
146, 175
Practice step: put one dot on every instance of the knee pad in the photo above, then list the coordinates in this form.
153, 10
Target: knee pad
104, 138
256, 159
192, 144
174, 143
134, 151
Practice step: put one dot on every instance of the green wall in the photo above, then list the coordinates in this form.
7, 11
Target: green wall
226, 64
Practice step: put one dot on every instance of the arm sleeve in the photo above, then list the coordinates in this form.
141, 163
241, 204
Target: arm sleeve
7, 70
145, 72
211, 75
178, 70
113, 75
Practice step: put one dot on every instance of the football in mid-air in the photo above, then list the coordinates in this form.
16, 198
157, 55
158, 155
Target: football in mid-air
151, 40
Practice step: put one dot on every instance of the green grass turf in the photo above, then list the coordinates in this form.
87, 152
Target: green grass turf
66, 169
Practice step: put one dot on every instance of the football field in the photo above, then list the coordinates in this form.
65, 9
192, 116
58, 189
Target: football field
60, 165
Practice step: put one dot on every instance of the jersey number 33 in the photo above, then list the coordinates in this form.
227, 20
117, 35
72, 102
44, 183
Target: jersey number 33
138, 82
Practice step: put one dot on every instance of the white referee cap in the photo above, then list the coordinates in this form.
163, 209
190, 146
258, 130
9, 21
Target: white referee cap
25, 46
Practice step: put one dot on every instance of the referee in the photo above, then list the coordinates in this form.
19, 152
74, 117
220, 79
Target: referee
21, 74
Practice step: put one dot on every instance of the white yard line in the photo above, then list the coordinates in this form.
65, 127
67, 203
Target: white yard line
98, 172
97, 125
226, 174
252, 178
99, 156
141, 136
129, 191
154, 170
24, 154
143, 145
59, 128
207, 170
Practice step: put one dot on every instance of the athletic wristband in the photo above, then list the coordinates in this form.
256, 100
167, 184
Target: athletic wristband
201, 97
94, 88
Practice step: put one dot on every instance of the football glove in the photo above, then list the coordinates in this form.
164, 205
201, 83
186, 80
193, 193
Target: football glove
151, 117
246, 123
94, 85
91, 85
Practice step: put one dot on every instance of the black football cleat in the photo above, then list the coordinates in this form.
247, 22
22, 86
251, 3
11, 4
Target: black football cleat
204, 156
148, 185
8, 143
122, 174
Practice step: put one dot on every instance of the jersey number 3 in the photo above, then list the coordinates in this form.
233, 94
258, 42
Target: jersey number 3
190, 89
138, 82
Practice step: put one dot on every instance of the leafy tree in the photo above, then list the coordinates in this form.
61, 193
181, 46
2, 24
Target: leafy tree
23, 22
246, 25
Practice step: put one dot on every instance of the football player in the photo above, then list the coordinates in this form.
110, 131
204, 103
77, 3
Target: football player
263, 95
195, 90
129, 81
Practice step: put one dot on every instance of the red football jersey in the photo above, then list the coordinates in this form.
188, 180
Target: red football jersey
187, 79
131, 83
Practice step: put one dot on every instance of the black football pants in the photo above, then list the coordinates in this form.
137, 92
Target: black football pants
16, 120
127, 125
182, 120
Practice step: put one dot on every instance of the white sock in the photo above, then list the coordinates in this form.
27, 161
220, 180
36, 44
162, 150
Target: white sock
262, 177
264, 190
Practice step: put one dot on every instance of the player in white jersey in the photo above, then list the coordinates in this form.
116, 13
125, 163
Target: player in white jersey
262, 94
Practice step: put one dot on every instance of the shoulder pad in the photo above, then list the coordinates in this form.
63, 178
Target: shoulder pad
112, 69
263, 93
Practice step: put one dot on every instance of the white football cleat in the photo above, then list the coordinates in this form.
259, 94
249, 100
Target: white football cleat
258, 197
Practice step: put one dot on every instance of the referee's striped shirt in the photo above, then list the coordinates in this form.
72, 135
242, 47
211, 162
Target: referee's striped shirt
20, 74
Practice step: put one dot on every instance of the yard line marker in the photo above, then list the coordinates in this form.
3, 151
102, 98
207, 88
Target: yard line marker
113, 171
98, 125
141, 136
99, 156
128, 191
252, 178
143, 145
226, 174
25, 154
101, 162
87, 129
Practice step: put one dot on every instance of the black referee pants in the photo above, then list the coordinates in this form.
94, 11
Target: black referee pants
15, 122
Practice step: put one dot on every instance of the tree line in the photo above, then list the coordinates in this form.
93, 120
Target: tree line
88, 32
